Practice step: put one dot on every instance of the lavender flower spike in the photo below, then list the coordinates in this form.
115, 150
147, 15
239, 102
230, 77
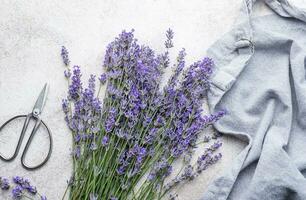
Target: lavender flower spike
103, 78
17, 192
4, 183
65, 56
110, 121
169, 35
75, 88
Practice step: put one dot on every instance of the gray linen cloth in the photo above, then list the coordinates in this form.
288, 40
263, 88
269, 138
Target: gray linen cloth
260, 79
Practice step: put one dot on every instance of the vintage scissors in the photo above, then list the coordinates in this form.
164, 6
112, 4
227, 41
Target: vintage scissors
35, 114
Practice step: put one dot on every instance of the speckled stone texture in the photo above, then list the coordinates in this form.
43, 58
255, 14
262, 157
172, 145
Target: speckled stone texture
31, 35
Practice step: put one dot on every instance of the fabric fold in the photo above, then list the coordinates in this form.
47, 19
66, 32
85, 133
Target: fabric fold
260, 78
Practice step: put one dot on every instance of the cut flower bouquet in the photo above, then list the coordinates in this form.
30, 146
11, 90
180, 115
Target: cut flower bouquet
125, 144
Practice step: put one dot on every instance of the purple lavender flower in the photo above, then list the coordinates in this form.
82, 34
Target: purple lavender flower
144, 120
207, 158
216, 145
32, 189
75, 88
114, 74
65, 107
43, 197
77, 138
67, 73
161, 169
65, 56
111, 119
18, 180
204, 161
213, 117
120, 170
103, 78
77, 152
160, 121
17, 192
91, 83
188, 173
151, 136
208, 63
169, 35
141, 154
25, 184
4, 183
114, 92
105, 140
179, 68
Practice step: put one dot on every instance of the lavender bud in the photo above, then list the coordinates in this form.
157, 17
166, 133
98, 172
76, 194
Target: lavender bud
65, 56
105, 140
4, 183
67, 73
43, 197
103, 78
17, 192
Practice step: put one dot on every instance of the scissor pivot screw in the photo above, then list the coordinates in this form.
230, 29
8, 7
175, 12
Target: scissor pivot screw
36, 112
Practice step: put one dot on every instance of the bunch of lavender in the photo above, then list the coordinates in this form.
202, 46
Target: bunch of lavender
140, 129
22, 189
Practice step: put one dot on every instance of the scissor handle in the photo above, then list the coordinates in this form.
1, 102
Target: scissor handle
34, 130
24, 128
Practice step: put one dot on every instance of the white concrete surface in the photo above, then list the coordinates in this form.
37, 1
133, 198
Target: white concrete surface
31, 35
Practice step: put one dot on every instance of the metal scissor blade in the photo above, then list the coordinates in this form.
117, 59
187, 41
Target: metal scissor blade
40, 102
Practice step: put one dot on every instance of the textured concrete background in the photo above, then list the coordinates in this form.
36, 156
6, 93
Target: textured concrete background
31, 35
